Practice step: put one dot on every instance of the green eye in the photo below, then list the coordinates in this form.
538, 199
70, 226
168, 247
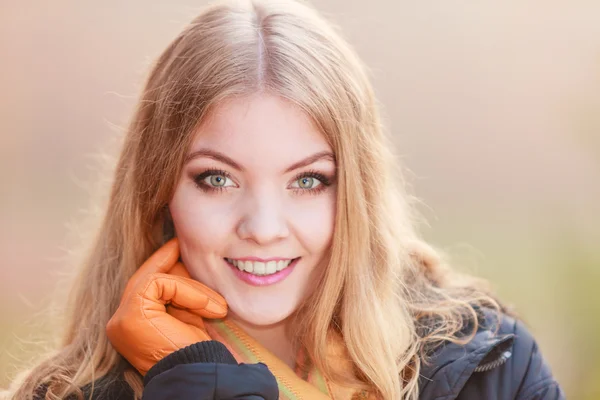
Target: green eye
214, 179
217, 180
306, 182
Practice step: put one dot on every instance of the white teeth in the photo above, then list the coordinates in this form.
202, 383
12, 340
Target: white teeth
259, 267
248, 266
281, 264
271, 267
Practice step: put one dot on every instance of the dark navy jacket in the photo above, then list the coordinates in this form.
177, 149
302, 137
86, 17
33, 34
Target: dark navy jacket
497, 364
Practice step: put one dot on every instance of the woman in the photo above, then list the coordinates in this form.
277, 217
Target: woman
258, 245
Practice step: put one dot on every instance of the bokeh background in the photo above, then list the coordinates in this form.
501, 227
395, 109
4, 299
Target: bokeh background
494, 106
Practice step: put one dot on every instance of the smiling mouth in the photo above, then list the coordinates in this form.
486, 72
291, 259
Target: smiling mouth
261, 268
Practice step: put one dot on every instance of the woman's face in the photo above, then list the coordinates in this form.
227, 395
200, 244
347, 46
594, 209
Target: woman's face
254, 207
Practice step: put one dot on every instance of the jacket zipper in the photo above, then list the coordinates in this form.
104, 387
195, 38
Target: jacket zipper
501, 359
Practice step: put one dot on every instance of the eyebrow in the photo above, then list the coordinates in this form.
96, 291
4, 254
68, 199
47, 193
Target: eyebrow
322, 155
215, 155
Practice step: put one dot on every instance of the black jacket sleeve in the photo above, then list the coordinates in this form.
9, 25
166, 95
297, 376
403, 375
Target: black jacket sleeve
207, 370
201, 371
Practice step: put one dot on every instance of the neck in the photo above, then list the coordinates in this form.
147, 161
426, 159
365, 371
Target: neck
272, 337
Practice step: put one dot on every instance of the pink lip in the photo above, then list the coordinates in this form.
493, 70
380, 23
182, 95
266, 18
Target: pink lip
266, 280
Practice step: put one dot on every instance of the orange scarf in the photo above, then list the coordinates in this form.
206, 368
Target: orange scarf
293, 385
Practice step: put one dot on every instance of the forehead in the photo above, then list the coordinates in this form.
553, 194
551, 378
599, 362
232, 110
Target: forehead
257, 126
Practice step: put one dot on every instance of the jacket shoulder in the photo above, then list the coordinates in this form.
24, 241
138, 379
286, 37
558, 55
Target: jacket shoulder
502, 361
514, 369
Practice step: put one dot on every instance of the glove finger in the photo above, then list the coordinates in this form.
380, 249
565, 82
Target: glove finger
185, 293
186, 316
179, 270
161, 260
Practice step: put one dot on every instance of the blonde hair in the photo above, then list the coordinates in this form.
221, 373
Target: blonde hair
386, 291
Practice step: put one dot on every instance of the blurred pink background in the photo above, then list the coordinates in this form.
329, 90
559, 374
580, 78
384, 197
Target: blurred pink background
495, 108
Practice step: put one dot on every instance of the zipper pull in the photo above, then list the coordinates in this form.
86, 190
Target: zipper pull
501, 359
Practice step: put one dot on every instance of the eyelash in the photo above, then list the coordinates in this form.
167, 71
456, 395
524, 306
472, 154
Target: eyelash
325, 181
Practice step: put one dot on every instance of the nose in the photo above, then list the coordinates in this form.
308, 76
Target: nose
263, 220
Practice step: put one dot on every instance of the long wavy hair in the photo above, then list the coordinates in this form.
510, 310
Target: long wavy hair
388, 293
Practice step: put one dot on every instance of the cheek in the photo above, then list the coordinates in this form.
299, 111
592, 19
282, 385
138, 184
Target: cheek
313, 221
200, 222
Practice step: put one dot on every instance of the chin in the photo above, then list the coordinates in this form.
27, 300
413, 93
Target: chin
260, 316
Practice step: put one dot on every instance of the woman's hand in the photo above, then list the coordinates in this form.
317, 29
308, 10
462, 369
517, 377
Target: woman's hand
142, 330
